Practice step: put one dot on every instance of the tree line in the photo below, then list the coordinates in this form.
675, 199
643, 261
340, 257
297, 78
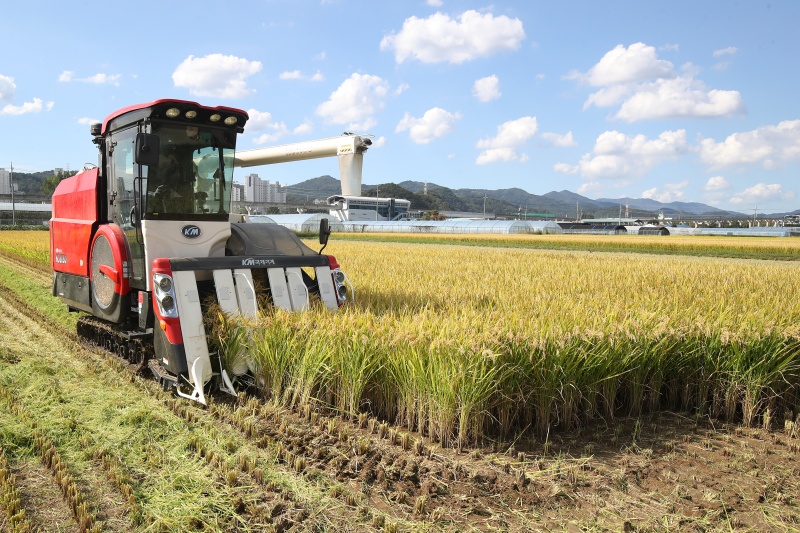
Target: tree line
40, 183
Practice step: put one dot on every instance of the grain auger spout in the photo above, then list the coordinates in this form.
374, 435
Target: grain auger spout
348, 148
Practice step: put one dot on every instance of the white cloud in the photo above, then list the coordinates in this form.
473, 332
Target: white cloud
717, 183
435, 123
270, 137
729, 51
98, 79
36, 106
681, 97
7, 88
439, 38
262, 121
762, 193
645, 87
564, 168
216, 75
726, 53
560, 141
510, 136
636, 63
619, 156
590, 187
403, 87
303, 129
767, 145
355, 102
671, 192
435, 3
716, 190
380, 141
86, 121
487, 89
297, 75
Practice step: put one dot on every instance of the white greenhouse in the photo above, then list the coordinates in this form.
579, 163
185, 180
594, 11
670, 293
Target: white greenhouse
299, 223
452, 226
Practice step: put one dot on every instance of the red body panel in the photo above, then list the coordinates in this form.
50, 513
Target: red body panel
75, 215
171, 326
136, 107
119, 249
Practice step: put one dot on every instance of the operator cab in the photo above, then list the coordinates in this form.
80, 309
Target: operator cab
168, 160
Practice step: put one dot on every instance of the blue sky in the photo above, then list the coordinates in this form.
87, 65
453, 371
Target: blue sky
682, 100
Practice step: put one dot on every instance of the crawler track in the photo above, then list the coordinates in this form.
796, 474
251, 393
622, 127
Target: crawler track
135, 349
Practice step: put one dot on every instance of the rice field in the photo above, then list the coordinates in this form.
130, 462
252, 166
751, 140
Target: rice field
703, 246
32, 247
462, 343
465, 341
488, 344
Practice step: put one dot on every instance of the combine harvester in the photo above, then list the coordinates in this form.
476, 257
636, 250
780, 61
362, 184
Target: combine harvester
143, 240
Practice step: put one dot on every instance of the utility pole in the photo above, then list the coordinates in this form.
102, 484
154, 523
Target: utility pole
13, 205
484, 206
376, 203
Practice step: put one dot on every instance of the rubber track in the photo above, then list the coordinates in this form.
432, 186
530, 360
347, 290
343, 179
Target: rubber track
115, 338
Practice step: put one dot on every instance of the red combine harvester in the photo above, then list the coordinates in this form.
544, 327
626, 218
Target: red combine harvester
144, 239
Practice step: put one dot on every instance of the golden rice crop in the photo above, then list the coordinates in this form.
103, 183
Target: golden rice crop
781, 248
461, 341
32, 247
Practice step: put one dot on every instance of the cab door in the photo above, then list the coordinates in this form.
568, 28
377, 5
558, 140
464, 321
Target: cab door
126, 181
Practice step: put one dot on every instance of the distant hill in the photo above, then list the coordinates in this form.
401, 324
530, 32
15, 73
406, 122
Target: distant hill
315, 188
510, 202
693, 208
502, 202
31, 183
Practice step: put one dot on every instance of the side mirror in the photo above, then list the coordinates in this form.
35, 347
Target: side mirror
324, 232
148, 146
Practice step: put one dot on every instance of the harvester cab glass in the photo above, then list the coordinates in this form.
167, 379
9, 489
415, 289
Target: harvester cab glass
192, 177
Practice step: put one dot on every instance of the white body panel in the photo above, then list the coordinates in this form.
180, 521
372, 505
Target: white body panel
163, 238
192, 327
279, 288
228, 298
327, 292
245, 292
298, 292
226, 291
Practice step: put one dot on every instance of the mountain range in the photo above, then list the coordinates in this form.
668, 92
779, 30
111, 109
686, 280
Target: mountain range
510, 202
500, 202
